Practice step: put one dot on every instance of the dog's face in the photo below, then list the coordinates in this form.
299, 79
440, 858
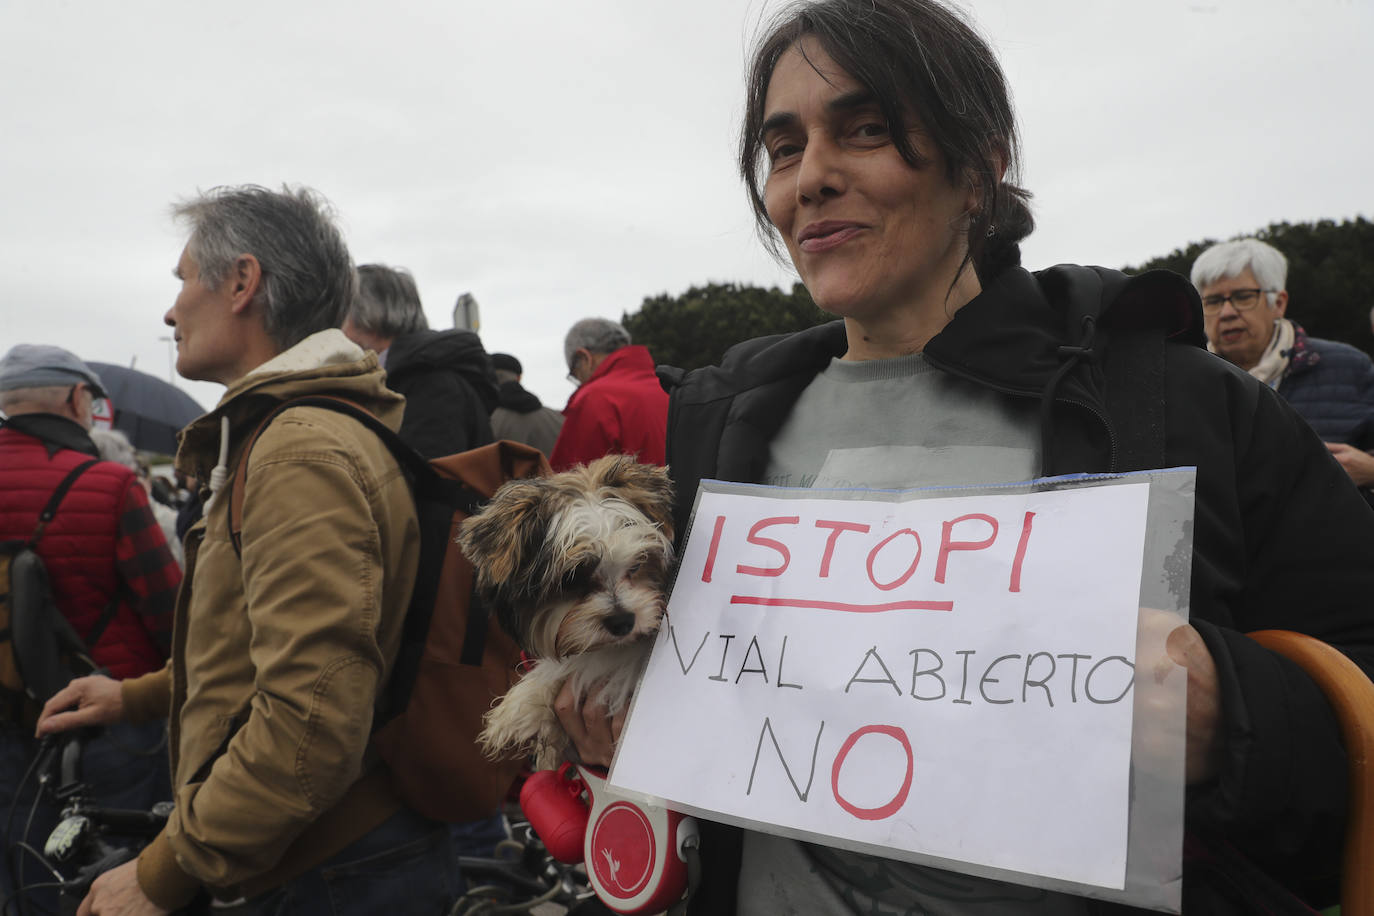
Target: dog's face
577, 560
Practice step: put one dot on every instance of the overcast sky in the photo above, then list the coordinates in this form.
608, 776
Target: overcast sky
565, 159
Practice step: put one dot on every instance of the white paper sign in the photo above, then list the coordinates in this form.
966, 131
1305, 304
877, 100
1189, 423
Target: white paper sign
946, 677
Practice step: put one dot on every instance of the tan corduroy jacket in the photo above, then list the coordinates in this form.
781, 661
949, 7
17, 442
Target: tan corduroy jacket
278, 657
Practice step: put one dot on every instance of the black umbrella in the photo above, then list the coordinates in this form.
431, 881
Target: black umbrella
146, 409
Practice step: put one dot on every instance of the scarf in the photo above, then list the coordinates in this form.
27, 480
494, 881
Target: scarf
1274, 362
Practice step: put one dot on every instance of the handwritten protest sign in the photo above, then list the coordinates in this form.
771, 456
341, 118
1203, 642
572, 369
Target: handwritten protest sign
945, 677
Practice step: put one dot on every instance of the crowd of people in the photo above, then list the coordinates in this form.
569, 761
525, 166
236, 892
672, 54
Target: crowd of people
879, 151
290, 633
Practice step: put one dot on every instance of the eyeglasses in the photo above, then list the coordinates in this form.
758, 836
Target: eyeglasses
572, 368
1241, 299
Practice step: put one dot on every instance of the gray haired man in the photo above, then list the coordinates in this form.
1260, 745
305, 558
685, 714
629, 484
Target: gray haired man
619, 407
286, 639
445, 376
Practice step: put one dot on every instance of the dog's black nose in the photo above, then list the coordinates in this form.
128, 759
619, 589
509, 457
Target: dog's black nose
619, 623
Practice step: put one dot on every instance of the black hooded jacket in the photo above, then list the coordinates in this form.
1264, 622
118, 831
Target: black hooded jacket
1281, 537
449, 387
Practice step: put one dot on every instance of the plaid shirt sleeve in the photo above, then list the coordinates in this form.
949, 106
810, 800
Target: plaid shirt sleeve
147, 566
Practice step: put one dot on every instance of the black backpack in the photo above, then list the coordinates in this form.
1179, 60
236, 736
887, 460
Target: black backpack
39, 650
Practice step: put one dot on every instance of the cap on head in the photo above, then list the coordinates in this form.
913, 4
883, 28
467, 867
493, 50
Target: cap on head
42, 366
506, 362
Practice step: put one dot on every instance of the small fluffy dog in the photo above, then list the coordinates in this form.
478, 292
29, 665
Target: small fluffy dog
575, 566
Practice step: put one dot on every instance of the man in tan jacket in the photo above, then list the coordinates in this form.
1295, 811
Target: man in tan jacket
283, 643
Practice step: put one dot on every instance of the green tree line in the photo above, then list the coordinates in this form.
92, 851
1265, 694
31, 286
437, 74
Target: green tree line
1330, 288
696, 328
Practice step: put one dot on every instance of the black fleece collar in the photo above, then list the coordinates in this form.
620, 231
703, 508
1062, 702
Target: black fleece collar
56, 432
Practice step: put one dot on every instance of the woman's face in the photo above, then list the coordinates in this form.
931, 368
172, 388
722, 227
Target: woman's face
870, 235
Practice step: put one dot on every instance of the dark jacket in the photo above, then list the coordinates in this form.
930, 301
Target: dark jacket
521, 417
1332, 385
1281, 538
449, 388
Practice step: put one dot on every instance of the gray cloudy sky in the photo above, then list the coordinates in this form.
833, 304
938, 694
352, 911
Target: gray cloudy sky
565, 159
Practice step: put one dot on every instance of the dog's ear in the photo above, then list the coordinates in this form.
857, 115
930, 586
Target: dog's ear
504, 536
645, 486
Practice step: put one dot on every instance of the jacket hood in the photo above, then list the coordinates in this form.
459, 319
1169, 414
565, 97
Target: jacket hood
324, 363
1049, 306
514, 396
454, 350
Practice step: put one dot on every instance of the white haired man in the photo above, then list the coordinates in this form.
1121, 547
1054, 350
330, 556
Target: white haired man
1329, 383
285, 639
619, 407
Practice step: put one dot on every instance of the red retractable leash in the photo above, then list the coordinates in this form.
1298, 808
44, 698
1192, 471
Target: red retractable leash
637, 855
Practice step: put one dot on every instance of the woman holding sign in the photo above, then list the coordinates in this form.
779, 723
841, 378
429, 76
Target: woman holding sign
879, 147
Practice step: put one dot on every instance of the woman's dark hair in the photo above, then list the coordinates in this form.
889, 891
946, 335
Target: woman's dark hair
920, 60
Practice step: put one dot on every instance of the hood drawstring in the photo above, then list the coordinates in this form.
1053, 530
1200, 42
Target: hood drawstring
1071, 357
220, 473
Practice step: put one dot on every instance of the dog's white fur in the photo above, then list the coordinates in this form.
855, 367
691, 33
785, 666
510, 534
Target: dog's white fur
525, 717
597, 585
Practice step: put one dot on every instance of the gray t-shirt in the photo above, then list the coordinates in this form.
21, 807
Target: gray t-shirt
892, 424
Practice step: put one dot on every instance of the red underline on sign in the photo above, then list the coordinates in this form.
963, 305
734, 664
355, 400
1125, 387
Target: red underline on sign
842, 606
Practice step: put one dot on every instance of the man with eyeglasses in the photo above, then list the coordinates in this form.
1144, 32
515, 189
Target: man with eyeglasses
619, 407
111, 574
1329, 383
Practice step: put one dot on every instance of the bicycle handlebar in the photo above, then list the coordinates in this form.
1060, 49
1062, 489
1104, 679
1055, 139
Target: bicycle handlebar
78, 844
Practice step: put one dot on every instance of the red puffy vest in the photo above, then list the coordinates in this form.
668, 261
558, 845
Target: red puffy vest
79, 544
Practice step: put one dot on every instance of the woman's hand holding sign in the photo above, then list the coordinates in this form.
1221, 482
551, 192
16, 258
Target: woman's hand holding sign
1186, 648
1165, 645
593, 733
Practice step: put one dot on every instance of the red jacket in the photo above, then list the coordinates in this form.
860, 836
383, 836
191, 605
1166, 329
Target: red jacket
102, 546
621, 410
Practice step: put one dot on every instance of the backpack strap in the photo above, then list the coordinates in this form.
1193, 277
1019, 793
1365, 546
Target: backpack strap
67, 635
1134, 371
475, 634
47, 514
107, 615
425, 480
454, 495
411, 461
50, 510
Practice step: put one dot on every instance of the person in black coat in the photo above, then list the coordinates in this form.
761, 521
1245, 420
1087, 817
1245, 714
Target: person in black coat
446, 376
521, 416
879, 149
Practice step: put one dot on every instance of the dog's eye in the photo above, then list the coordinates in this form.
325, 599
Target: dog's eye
580, 577
635, 567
